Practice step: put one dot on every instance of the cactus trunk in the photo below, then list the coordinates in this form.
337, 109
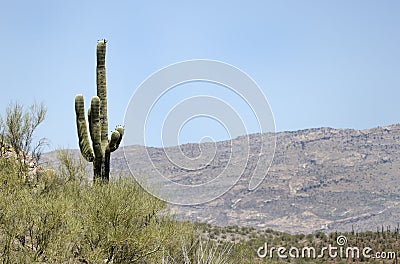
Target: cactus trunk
102, 146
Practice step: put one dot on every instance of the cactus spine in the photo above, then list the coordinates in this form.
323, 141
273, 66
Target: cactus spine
102, 146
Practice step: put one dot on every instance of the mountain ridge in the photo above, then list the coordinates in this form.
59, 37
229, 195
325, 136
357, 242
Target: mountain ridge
321, 179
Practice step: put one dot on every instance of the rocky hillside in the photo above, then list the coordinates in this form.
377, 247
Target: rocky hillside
320, 179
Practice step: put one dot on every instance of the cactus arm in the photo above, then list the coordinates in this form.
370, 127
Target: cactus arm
120, 130
113, 141
116, 137
102, 89
84, 144
95, 125
89, 122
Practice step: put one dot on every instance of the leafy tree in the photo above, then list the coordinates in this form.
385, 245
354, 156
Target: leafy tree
19, 127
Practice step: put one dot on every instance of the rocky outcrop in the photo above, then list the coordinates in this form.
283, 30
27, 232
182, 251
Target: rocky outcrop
26, 160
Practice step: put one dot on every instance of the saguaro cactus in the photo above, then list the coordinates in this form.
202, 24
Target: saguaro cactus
98, 123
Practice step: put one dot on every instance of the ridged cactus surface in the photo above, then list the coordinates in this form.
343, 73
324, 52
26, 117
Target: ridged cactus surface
99, 151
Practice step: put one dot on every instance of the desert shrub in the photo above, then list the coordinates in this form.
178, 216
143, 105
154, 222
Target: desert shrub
70, 167
310, 238
202, 251
55, 219
18, 128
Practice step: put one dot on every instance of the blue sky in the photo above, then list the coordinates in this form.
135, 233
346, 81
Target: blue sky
320, 63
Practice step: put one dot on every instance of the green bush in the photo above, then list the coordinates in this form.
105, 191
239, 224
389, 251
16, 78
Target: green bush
59, 219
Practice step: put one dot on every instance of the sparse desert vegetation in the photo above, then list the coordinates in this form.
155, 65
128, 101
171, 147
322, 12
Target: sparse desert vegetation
60, 215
